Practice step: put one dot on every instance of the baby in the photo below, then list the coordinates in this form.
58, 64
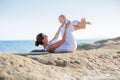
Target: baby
75, 23
73, 26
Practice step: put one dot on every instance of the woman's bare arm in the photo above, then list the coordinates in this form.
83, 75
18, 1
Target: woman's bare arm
57, 34
52, 48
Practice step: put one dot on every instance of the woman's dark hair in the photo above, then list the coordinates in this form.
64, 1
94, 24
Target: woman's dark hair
39, 38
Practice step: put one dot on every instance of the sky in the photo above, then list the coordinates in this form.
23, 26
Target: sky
24, 19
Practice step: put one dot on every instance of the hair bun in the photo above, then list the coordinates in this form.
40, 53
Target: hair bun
37, 43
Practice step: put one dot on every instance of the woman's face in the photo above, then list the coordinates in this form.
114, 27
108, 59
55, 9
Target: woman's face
45, 38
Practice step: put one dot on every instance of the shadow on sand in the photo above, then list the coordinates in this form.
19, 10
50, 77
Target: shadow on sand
39, 52
33, 52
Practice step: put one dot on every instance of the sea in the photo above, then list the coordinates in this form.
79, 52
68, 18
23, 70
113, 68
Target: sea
17, 46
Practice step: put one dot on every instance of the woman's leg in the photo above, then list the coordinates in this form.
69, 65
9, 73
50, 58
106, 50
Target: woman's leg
70, 43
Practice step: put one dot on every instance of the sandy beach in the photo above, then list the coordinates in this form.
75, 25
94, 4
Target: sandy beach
97, 61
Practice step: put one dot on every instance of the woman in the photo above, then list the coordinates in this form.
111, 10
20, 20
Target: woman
66, 44
50, 47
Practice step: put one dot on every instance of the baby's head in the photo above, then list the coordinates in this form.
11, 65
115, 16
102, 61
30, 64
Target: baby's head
62, 19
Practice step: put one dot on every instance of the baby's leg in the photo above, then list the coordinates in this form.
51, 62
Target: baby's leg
83, 21
82, 24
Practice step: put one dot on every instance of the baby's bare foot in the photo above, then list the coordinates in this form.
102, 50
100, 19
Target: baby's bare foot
88, 22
